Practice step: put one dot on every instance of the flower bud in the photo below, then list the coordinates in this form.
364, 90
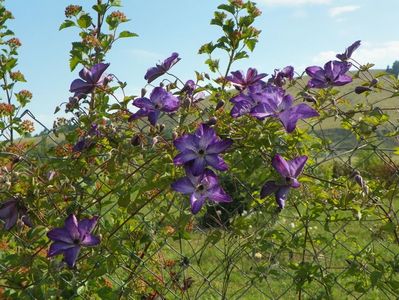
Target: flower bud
136, 140
219, 105
374, 82
211, 121
362, 89
143, 92
359, 180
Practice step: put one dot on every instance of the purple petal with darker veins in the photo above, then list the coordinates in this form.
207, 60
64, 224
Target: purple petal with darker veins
198, 166
90, 240
78, 86
281, 166
170, 103
153, 117
171, 61
71, 225
97, 71
241, 108
290, 117
215, 161
196, 201
296, 165
206, 136
268, 188
184, 157
183, 185
217, 194
185, 142
86, 75
58, 248
281, 196
139, 114
315, 83
219, 147
342, 80
87, 225
59, 234
143, 103
315, 72
261, 111
70, 255
153, 73
211, 178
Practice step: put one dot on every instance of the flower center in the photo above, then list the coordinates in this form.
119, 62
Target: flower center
201, 188
76, 241
201, 152
157, 106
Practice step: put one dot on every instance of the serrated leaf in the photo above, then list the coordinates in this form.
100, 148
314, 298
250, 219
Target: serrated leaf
251, 44
127, 34
66, 24
226, 7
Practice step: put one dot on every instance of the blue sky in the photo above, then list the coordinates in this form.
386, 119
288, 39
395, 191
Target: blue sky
294, 32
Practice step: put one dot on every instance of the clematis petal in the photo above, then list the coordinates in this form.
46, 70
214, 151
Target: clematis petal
58, 248
206, 135
216, 162
281, 196
342, 80
139, 114
143, 103
290, 117
26, 220
12, 219
60, 235
170, 103
153, 73
90, 240
71, 225
185, 157
153, 117
70, 255
296, 165
241, 108
198, 166
97, 71
294, 183
219, 147
263, 110
315, 72
78, 86
6, 208
197, 201
217, 194
183, 185
281, 166
186, 142
268, 188
87, 225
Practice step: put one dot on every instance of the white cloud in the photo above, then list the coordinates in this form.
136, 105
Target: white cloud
381, 55
339, 10
293, 2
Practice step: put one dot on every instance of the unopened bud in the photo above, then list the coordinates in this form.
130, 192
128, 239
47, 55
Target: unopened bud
136, 140
161, 127
154, 141
143, 92
374, 82
219, 105
211, 121
362, 89
308, 97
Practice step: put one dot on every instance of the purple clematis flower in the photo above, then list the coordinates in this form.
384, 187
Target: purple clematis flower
280, 77
275, 103
201, 149
333, 74
241, 81
11, 210
200, 188
289, 171
348, 51
160, 100
69, 239
90, 79
154, 72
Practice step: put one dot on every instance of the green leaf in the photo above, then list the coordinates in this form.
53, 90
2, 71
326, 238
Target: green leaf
226, 7
250, 43
66, 24
127, 34
84, 21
